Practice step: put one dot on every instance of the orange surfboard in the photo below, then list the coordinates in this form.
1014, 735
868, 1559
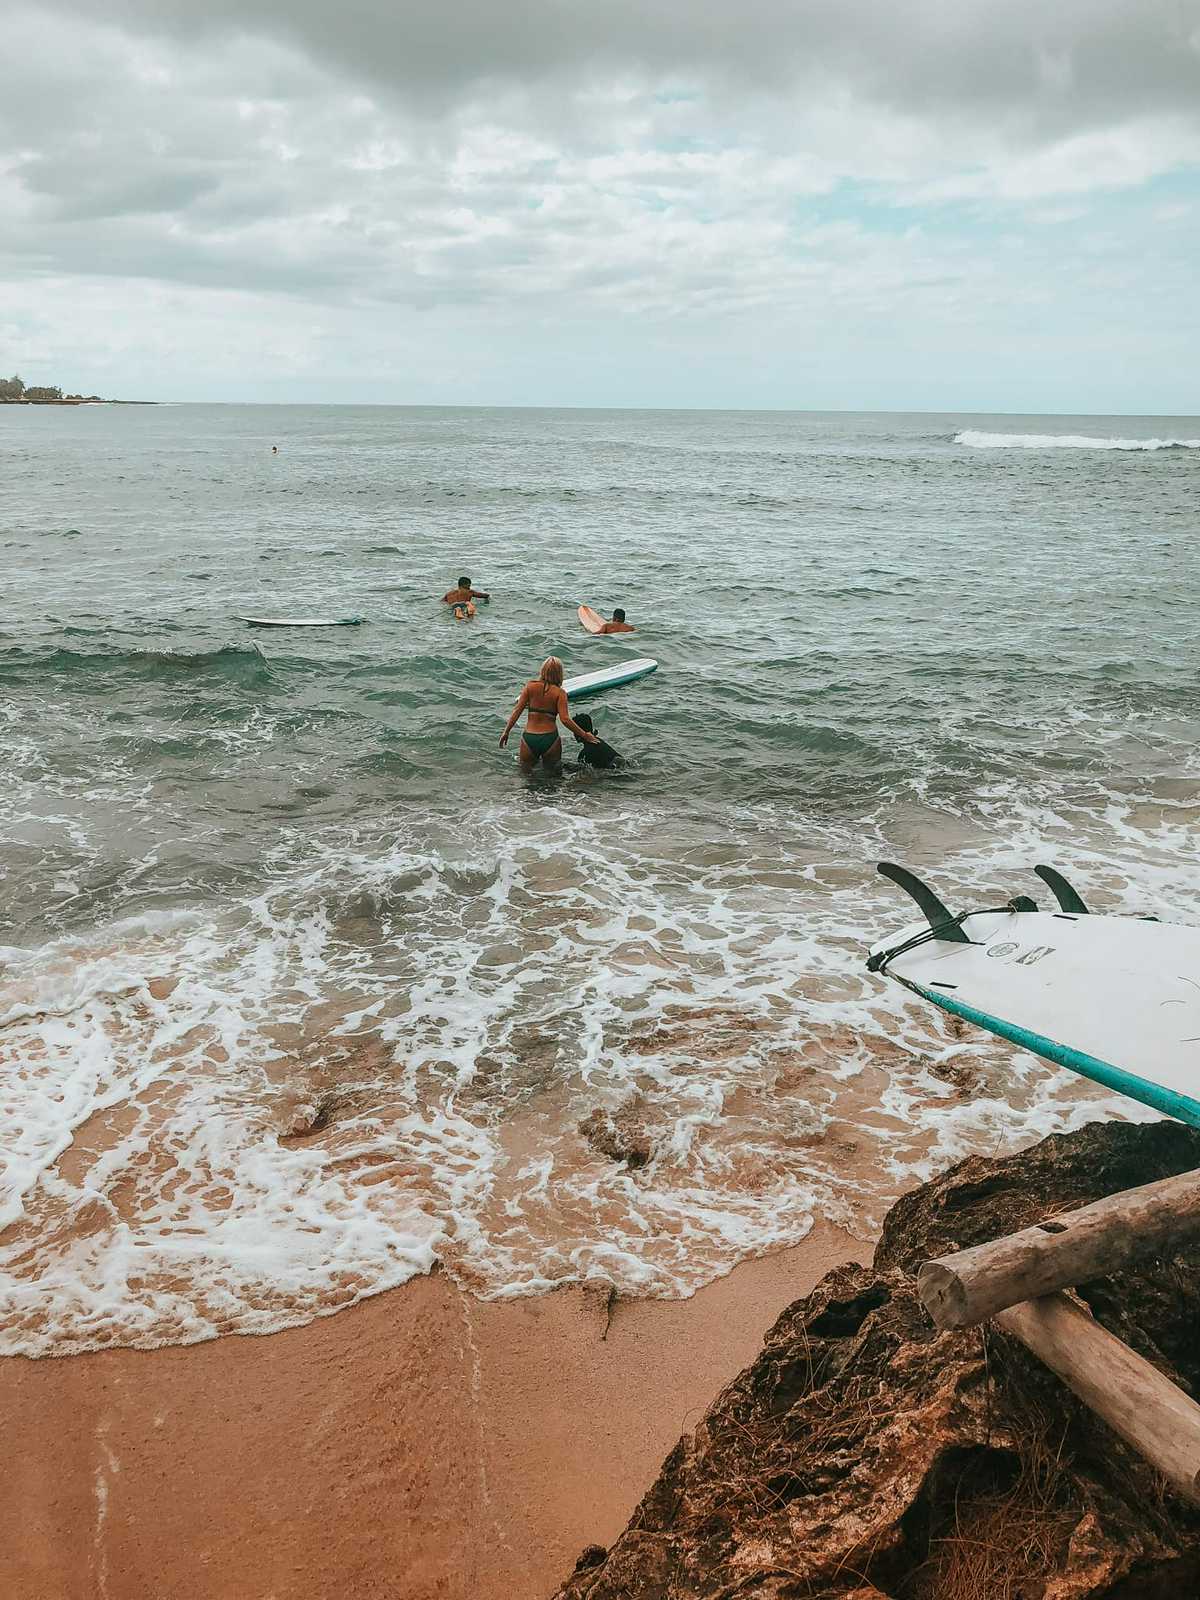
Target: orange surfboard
592, 620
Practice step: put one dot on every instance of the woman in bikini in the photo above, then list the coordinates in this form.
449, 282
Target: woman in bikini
544, 700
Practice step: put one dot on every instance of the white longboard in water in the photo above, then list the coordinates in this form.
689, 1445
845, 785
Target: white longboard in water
304, 622
1116, 999
609, 677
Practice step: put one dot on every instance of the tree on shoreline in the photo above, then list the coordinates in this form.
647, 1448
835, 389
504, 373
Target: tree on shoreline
15, 392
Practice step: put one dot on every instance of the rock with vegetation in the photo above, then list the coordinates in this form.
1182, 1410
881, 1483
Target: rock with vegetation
14, 392
864, 1456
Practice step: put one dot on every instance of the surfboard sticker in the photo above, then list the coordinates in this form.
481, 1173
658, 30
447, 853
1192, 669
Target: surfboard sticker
1116, 999
609, 677
592, 620
303, 621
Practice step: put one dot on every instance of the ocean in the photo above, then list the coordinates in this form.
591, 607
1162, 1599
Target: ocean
305, 987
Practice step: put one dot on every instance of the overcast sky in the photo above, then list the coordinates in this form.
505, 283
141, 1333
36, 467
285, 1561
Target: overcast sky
933, 204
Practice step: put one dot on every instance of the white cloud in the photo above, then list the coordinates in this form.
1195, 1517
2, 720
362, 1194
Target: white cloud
1109, 158
610, 170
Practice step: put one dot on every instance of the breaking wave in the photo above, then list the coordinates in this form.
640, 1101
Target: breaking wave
979, 439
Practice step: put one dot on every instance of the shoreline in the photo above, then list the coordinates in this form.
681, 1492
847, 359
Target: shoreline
422, 1443
83, 401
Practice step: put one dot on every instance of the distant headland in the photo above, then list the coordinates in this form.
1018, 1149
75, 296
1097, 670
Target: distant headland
13, 392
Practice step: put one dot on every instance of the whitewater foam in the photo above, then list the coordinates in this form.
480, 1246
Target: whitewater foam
236, 1122
979, 439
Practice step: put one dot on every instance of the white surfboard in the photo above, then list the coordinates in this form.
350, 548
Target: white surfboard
609, 677
591, 619
1116, 999
304, 622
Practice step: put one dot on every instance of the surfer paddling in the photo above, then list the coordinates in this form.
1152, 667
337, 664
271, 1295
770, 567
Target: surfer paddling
618, 623
544, 701
461, 599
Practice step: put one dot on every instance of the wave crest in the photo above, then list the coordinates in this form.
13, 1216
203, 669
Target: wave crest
980, 439
244, 665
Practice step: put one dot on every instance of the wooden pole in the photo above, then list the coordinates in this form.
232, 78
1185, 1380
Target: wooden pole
1058, 1252
1133, 1397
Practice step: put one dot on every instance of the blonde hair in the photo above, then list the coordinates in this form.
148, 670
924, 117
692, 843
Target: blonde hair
552, 671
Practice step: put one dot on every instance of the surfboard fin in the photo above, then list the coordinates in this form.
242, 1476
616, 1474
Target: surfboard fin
1062, 891
939, 917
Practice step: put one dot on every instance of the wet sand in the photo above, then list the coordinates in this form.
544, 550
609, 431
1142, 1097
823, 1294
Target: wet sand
422, 1444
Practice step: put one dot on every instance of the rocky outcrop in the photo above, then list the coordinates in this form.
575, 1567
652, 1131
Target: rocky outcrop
864, 1456
619, 1134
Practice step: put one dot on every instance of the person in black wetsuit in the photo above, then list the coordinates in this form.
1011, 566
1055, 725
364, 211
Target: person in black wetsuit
600, 754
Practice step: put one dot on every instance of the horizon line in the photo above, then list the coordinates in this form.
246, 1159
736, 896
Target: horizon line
448, 405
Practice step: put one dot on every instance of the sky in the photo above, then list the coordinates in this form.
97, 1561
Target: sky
960, 205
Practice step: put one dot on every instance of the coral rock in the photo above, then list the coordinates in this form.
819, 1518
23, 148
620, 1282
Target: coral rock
619, 1134
865, 1456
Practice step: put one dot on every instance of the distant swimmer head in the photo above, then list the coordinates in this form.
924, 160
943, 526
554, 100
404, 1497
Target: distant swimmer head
619, 614
274, 449
552, 671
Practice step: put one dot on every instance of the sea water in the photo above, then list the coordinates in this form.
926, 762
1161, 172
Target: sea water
305, 987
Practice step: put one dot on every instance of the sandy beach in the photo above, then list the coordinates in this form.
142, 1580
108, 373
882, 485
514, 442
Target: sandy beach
421, 1444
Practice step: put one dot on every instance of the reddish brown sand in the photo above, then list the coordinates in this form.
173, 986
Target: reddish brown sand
421, 1444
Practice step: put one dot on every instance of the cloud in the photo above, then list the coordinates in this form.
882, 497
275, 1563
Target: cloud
1109, 158
652, 162
1072, 60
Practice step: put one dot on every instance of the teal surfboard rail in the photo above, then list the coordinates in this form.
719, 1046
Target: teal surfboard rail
589, 683
1179, 1106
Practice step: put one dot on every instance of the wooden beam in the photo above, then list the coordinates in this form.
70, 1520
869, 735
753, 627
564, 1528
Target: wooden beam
1133, 1397
1061, 1251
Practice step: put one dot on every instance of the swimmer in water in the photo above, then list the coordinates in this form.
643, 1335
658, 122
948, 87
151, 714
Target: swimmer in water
618, 623
544, 700
274, 449
461, 599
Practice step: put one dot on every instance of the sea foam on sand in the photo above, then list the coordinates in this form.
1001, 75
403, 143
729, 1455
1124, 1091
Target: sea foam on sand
235, 1119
